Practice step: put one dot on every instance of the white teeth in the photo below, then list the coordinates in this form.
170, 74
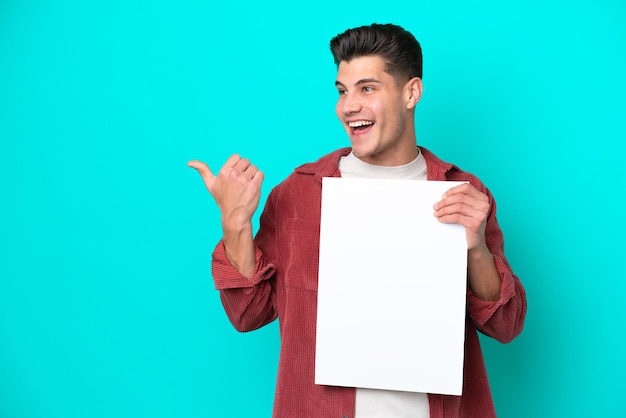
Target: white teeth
358, 123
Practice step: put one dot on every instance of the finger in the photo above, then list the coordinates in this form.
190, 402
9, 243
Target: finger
205, 172
471, 224
466, 194
250, 172
243, 171
460, 209
230, 163
258, 177
463, 206
464, 188
475, 202
242, 165
445, 197
229, 166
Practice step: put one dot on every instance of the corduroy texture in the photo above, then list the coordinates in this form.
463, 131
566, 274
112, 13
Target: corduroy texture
284, 285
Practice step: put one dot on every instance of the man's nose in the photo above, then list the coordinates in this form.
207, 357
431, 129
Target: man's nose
351, 104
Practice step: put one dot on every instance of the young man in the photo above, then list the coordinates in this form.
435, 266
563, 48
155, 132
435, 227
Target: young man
274, 275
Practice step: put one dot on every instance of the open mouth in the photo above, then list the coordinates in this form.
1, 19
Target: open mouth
360, 126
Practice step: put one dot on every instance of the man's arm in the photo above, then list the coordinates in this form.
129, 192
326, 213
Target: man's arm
236, 190
240, 270
496, 298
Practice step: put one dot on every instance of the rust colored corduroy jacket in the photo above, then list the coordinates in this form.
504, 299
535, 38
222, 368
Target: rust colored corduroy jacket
284, 286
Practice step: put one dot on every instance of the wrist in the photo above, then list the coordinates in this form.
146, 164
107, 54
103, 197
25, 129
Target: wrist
239, 248
478, 253
235, 225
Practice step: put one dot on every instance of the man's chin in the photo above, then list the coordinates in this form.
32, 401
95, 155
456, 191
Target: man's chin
362, 154
359, 153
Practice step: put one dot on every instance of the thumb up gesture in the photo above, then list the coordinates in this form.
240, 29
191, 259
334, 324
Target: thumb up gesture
236, 189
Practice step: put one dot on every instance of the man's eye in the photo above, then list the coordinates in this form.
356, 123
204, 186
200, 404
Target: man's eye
368, 88
342, 92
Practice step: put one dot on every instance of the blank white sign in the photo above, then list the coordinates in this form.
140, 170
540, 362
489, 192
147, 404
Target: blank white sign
391, 289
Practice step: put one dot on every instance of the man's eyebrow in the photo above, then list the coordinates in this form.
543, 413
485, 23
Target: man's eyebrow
362, 81
367, 81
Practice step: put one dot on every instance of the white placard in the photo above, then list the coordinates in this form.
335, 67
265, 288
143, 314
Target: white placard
391, 289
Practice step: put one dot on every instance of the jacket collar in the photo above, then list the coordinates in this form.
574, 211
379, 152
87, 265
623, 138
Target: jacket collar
328, 165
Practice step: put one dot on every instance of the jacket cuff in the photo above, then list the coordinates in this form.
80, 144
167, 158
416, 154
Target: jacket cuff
225, 276
482, 310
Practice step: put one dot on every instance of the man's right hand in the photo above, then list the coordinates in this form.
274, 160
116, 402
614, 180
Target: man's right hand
236, 190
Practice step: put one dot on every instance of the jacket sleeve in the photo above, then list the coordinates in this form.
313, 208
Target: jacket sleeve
250, 303
502, 319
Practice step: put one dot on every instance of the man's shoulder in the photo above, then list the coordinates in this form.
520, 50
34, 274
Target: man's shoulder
325, 166
311, 173
441, 170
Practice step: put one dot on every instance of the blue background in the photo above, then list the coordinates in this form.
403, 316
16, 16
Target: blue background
107, 307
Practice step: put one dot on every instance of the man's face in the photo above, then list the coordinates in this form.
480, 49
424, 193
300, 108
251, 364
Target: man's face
376, 112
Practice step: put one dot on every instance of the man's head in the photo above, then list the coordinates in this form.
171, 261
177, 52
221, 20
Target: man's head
379, 70
399, 49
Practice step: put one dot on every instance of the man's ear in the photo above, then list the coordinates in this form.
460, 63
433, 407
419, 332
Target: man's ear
414, 89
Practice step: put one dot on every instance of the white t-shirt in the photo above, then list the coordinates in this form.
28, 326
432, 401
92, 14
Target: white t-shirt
374, 403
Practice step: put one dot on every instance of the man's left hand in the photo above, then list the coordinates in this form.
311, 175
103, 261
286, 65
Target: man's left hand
465, 205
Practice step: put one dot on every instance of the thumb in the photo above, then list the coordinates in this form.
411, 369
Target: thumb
205, 172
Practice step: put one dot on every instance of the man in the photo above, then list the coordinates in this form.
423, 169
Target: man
274, 275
